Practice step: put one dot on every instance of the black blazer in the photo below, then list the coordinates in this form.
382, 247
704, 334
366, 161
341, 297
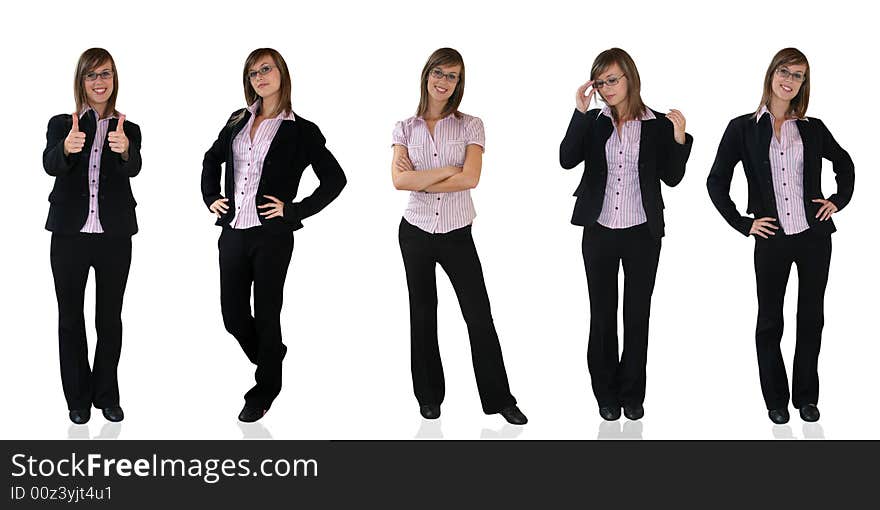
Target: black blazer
660, 158
297, 145
748, 140
69, 200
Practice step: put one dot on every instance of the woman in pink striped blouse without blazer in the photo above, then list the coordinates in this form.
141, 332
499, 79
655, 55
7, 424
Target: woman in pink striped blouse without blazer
438, 158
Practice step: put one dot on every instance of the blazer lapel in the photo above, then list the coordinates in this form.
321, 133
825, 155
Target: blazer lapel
604, 130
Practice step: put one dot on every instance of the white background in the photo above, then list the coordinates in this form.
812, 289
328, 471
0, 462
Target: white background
355, 70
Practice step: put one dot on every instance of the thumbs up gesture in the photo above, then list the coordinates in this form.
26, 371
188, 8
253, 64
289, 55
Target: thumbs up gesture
75, 140
118, 140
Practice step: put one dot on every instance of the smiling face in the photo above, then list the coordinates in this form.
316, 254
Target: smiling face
786, 89
616, 94
269, 84
99, 90
441, 87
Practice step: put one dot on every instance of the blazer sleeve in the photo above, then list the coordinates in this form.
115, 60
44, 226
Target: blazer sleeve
211, 167
331, 180
720, 176
132, 167
572, 150
54, 161
842, 164
675, 155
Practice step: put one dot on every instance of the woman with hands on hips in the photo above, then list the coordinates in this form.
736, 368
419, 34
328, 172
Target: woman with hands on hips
438, 158
627, 149
781, 151
265, 148
92, 154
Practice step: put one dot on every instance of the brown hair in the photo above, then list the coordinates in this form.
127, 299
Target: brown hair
442, 57
250, 94
786, 57
634, 105
88, 62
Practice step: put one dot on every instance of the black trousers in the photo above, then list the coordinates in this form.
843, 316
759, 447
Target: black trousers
457, 255
811, 252
71, 256
254, 257
619, 381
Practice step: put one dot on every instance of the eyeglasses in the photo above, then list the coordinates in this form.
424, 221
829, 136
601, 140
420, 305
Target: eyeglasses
785, 74
263, 71
612, 81
104, 75
450, 77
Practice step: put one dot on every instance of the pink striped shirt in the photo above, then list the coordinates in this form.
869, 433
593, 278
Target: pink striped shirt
623, 206
248, 157
439, 212
787, 171
93, 220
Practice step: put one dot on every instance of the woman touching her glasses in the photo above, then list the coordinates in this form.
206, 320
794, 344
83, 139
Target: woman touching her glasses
781, 151
627, 149
265, 148
438, 158
92, 154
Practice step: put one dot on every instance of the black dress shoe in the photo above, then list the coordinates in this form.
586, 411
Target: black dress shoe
778, 416
609, 413
809, 413
80, 416
430, 411
514, 416
113, 414
250, 414
634, 412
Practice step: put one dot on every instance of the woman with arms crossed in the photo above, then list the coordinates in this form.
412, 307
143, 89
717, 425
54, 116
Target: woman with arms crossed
628, 149
781, 151
438, 158
92, 154
265, 148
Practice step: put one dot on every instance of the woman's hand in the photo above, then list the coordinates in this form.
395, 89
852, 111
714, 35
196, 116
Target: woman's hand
582, 99
75, 140
275, 209
763, 227
828, 208
403, 164
118, 140
678, 124
219, 207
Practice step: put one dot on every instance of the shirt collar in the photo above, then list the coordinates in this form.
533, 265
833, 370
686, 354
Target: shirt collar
646, 115
87, 107
766, 110
255, 107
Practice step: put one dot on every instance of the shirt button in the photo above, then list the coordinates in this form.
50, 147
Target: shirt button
788, 214
618, 193
93, 195
436, 214
783, 184
435, 154
242, 192
93, 210
621, 166
94, 166
93, 180
615, 208
782, 154
786, 199
621, 152
618, 179
438, 198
